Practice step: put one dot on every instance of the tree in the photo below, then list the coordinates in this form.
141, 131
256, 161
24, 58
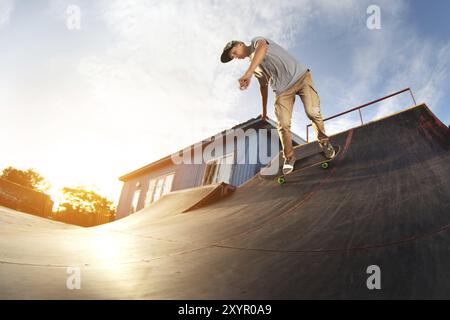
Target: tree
29, 178
81, 201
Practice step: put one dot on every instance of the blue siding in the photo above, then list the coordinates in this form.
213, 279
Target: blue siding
188, 176
243, 172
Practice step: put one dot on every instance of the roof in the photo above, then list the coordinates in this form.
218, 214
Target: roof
253, 122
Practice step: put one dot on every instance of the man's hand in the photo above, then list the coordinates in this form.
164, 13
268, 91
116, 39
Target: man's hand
244, 81
243, 84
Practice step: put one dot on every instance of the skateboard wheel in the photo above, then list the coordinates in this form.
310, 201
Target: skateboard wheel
281, 180
325, 165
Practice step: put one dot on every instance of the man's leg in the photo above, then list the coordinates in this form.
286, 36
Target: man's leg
311, 103
283, 111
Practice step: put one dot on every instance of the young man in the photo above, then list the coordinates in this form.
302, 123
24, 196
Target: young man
271, 64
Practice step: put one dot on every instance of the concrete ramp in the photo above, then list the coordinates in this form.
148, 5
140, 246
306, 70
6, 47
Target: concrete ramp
385, 202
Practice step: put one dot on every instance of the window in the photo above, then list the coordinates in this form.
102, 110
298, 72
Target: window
167, 184
135, 201
151, 190
158, 187
219, 170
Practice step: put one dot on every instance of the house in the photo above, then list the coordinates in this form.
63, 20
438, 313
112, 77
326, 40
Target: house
232, 156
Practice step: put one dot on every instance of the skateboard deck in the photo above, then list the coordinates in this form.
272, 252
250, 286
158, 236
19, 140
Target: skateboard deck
315, 159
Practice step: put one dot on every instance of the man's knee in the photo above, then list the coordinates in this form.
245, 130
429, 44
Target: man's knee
314, 113
284, 125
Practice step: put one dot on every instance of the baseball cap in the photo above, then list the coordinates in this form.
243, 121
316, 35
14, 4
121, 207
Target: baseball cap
225, 54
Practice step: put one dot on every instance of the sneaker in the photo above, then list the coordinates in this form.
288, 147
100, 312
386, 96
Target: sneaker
288, 166
328, 150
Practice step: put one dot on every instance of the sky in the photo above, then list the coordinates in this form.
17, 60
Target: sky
92, 90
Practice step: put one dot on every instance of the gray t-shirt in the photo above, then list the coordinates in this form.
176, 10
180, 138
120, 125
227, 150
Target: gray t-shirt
278, 68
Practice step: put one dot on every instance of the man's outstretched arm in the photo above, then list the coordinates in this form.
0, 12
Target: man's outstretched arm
260, 53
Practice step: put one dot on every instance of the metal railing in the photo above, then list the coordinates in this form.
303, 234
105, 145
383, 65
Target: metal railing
362, 106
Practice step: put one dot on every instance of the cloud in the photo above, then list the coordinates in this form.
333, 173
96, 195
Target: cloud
6, 8
167, 55
384, 61
165, 64
166, 59
425, 70
432, 68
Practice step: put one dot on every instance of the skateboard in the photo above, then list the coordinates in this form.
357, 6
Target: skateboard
310, 161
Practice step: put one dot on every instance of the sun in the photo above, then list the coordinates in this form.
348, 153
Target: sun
56, 195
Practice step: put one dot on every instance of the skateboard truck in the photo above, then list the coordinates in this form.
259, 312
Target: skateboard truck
309, 162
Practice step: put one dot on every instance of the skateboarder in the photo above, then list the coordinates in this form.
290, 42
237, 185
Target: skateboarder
271, 64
